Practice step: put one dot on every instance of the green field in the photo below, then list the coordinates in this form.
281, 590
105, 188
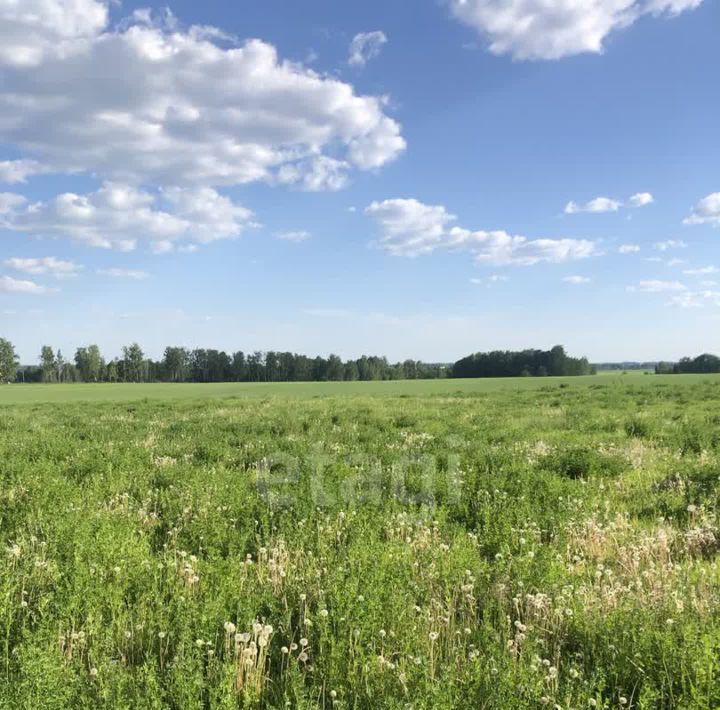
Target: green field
443, 544
15, 394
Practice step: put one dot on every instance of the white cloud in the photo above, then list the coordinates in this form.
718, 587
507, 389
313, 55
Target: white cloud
696, 299
299, 236
412, 228
539, 29
707, 211
32, 31
492, 279
44, 265
599, 204
640, 199
629, 249
10, 201
11, 285
670, 244
181, 109
577, 280
115, 216
608, 204
365, 46
17, 171
654, 286
118, 273
702, 271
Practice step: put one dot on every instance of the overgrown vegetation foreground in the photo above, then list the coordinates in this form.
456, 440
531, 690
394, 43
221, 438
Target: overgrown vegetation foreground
553, 547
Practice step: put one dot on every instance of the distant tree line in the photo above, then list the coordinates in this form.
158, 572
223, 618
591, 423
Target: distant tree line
702, 364
525, 363
180, 364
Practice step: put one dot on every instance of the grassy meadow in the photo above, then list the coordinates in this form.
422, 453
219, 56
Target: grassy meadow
444, 544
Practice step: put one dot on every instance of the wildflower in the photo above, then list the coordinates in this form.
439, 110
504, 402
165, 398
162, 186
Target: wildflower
622, 700
383, 633
199, 643
161, 635
333, 694
94, 672
285, 650
433, 635
303, 642
324, 613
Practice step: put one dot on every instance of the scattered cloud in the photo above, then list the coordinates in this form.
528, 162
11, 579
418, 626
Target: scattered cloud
412, 228
702, 271
11, 285
577, 280
117, 273
299, 236
537, 29
114, 216
640, 199
492, 279
696, 299
44, 265
18, 171
629, 249
10, 201
707, 211
670, 244
607, 204
183, 109
654, 286
365, 46
599, 204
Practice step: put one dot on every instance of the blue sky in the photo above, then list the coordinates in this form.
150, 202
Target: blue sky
356, 178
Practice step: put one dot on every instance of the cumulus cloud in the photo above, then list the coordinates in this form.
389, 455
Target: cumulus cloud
412, 228
640, 199
118, 273
608, 204
599, 204
116, 216
365, 46
629, 249
707, 211
538, 29
181, 109
59, 268
577, 280
11, 285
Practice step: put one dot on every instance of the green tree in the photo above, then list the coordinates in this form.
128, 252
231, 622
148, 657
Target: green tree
8, 361
134, 365
48, 364
89, 363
